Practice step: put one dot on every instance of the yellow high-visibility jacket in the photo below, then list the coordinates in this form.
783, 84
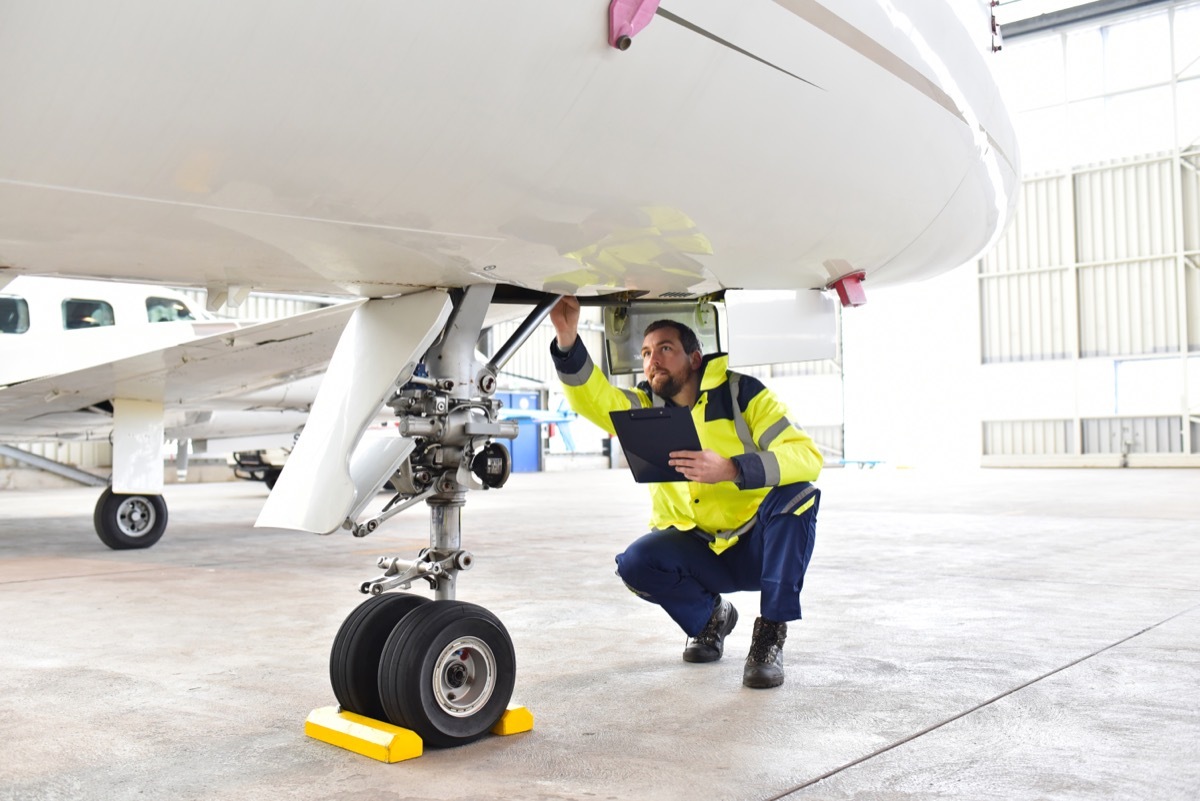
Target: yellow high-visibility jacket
735, 416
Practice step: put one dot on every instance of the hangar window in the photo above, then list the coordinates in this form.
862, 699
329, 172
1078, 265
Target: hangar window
86, 313
167, 310
14, 315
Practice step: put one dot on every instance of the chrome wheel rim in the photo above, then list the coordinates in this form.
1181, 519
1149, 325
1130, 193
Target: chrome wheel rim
136, 516
464, 676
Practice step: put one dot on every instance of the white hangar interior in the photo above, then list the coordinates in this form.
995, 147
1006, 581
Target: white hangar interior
1075, 341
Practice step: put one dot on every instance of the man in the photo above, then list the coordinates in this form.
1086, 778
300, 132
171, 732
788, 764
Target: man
746, 517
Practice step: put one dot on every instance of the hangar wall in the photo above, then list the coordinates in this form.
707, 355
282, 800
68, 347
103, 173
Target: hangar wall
1090, 303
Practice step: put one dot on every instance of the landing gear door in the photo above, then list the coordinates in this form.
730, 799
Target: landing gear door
778, 327
624, 327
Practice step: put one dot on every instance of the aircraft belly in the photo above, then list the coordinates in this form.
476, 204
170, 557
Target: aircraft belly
376, 149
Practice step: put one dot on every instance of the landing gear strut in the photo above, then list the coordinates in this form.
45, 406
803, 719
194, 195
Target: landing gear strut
443, 668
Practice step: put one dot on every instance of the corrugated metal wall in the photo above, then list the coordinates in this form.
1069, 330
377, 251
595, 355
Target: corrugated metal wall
80, 454
1190, 199
1128, 300
261, 306
1133, 435
1100, 263
830, 440
1015, 437
1129, 308
1125, 211
1025, 279
1090, 304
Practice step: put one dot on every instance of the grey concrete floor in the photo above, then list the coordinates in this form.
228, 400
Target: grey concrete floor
987, 634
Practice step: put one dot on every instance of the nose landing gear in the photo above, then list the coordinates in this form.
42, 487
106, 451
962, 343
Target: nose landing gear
444, 669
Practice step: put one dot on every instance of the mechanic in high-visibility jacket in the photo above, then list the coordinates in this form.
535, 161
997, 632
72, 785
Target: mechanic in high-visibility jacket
746, 517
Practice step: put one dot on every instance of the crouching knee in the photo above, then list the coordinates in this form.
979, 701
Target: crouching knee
791, 499
643, 565
632, 571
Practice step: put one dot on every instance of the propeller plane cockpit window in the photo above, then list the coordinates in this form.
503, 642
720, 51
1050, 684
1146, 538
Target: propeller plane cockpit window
14, 315
78, 313
167, 310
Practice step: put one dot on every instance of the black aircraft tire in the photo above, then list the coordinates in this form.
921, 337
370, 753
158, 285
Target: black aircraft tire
447, 672
354, 658
124, 522
271, 477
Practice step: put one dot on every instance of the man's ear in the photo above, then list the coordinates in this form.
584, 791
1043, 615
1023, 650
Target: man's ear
696, 358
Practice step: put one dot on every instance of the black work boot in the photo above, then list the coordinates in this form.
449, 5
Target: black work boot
764, 665
709, 644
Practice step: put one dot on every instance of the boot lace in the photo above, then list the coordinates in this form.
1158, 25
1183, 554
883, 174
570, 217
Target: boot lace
765, 643
711, 631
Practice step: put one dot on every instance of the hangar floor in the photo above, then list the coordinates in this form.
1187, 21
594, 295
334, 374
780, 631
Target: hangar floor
988, 634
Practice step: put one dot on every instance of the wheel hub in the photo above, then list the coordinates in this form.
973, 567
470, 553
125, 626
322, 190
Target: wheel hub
456, 676
464, 676
135, 516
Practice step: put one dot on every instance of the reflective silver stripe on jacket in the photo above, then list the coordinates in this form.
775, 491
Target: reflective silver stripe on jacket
727, 536
635, 400
771, 433
580, 378
744, 528
739, 419
771, 473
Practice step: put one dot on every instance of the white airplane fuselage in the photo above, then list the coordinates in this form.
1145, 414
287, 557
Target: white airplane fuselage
374, 148
46, 327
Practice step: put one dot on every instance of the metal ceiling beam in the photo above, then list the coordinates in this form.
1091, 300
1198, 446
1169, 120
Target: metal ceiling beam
1068, 16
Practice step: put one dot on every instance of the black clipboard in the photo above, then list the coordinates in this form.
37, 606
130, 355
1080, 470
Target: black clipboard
649, 435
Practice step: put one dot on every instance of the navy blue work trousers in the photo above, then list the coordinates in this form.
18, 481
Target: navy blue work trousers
679, 572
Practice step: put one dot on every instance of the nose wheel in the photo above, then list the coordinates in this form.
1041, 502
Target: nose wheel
354, 659
443, 669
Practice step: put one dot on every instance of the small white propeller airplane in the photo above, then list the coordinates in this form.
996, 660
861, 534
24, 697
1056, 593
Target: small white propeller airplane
435, 159
91, 360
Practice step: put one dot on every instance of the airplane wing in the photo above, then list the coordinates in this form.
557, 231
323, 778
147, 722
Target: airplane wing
213, 372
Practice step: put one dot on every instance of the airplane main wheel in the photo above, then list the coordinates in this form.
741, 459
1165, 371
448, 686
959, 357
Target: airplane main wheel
129, 521
447, 672
354, 659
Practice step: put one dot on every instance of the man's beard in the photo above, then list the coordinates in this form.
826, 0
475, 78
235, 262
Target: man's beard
670, 388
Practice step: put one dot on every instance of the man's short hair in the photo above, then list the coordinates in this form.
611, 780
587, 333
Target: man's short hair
687, 337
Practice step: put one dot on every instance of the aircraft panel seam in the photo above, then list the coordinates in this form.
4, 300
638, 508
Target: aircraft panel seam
726, 43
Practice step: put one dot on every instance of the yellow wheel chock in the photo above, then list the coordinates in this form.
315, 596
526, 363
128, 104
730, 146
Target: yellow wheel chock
386, 742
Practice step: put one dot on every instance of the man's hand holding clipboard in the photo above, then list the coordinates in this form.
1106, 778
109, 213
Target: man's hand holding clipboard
661, 444
706, 467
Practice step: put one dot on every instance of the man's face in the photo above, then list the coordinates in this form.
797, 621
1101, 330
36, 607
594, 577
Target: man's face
665, 364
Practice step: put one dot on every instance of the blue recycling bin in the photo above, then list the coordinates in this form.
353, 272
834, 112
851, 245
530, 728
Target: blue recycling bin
526, 449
